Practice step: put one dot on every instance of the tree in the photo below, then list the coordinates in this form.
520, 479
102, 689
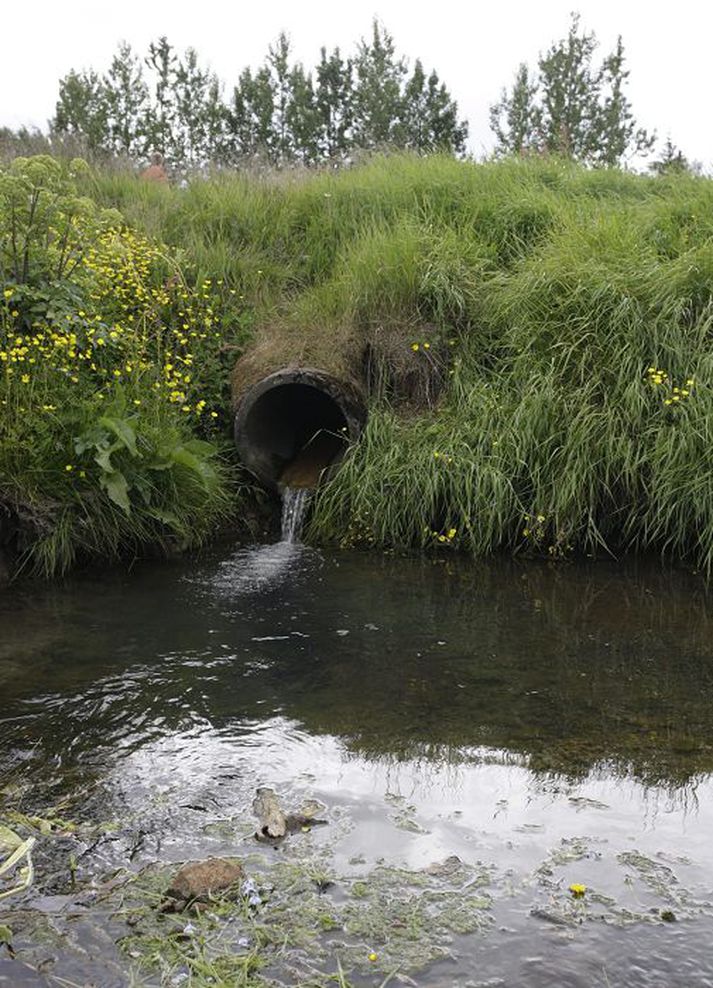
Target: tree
249, 117
333, 99
82, 109
377, 94
161, 59
672, 161
126, 95
571, 107
429, 116
303, 119
278, 64
619, 134
198, 111
515, 119
170, 103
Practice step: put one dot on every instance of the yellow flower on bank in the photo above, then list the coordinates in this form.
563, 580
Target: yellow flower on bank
8, 293
414, 347
577, 890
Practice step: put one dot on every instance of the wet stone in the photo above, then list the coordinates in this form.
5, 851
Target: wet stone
198, 881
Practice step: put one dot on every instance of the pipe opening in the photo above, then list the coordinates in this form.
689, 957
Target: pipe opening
293, 426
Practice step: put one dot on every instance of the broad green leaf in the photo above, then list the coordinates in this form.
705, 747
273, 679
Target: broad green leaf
123, 430
185, 458
118, 490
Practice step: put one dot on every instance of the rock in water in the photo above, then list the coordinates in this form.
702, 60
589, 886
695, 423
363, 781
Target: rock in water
272, 820
198, 881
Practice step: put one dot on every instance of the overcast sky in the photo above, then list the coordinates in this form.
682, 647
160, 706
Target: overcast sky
475, 47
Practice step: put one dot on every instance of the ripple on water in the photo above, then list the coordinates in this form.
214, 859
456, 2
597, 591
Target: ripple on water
548, 727
258, 570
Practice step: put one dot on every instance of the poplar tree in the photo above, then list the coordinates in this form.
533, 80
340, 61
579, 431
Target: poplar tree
81, 109
334, 103
515, 119
198, 109
429, 116
162, 61
303, 119
377, 101
249, 116
571, 107
126, 99
281, 112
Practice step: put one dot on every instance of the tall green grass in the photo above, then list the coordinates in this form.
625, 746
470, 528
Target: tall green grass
545, 291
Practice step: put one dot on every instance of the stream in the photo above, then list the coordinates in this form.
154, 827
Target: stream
481, 735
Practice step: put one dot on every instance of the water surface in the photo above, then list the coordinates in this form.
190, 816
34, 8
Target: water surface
547, 726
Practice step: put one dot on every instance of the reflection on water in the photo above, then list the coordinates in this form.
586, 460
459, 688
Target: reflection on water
493, 711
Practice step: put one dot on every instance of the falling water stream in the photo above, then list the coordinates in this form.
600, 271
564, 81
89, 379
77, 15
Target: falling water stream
295, 501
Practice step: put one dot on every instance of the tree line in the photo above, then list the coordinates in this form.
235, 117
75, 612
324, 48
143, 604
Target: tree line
168, 102
570, 104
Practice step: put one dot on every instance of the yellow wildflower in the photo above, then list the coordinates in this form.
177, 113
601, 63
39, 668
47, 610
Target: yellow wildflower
577, 890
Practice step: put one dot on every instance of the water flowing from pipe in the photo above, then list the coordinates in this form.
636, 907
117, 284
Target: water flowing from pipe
295, 501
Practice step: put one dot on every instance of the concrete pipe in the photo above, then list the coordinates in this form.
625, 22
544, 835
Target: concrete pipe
293, 426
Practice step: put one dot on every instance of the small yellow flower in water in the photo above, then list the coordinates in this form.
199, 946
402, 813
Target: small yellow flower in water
25, 378
69, 468
414, 347
451, 533
689, 382
540, 518
82, 473
577, 890
214, 415
526, 532
667, 401
8, 293
373, 956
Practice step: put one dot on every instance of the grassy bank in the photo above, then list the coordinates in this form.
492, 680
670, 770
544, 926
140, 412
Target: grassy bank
534, 338
112, 358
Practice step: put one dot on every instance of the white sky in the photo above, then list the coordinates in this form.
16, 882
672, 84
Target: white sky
475, 47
